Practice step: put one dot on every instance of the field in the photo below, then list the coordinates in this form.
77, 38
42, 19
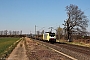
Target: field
5, 43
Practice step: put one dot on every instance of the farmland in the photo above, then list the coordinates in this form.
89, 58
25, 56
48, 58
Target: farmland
5, 43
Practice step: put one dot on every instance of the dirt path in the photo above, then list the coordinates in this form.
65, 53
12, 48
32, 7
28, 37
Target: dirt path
36, 51
19, 53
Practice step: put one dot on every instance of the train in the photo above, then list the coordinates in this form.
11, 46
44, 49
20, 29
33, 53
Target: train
47, 36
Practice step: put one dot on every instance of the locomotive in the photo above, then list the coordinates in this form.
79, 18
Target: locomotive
47, 36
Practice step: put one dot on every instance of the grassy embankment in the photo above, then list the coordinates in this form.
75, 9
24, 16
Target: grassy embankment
7, 44
75, 43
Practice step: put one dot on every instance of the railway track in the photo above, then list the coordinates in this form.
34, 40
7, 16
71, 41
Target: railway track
76, 48
73, 51
78, 52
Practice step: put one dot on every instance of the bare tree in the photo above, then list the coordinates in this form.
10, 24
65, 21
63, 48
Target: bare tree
17, 33
10, 33
76, 22
59, 32
14, 32
1, 32
5, 32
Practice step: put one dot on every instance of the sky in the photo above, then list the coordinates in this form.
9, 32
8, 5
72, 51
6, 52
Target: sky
25, 14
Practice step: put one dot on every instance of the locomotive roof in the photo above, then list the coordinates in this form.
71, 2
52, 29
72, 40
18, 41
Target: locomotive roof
48, 32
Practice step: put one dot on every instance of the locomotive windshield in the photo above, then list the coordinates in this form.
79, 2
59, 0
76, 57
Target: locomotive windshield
52, 34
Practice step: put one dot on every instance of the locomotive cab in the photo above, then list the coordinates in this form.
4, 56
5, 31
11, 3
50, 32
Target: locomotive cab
52, 37
49, 36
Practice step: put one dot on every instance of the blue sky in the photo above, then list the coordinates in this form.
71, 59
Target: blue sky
25, 14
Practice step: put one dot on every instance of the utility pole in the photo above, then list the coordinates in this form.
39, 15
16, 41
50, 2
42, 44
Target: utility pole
20, 32
35, 31
30, 34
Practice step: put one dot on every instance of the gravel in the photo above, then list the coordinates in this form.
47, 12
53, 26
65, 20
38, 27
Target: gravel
35, 51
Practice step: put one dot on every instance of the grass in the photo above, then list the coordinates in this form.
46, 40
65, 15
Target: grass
80, 44
5, 43
75, 43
